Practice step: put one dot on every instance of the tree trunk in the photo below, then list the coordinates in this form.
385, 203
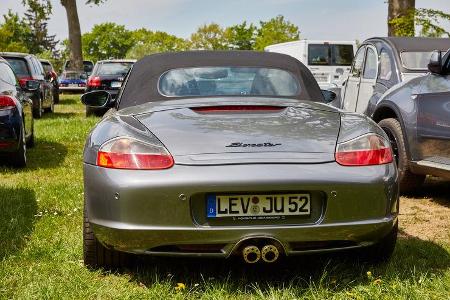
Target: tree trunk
400, 8
76, 55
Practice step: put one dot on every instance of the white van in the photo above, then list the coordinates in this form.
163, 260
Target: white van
329, 61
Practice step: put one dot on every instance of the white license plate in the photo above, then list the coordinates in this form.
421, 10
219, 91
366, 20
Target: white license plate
73, 85
116, 84
219, 206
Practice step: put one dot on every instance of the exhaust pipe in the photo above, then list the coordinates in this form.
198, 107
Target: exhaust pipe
270, 253
251, 254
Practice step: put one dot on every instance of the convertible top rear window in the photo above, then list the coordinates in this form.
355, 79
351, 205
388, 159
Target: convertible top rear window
228, 81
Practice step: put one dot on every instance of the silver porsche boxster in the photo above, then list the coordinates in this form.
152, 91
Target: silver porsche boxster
233, 153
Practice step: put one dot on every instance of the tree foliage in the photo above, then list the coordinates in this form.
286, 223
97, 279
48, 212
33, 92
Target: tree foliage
106, 40
276, 30
209, 37
15, 34
241, 36
36, 17
146, 42
426, 21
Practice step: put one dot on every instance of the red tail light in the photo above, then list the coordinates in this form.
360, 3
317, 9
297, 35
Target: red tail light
366, 150
129, 153
94, 81
7, 102
23, 81
237, 108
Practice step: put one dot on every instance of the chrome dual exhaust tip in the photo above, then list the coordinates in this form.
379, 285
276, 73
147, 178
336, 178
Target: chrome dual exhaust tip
252, 254
270, 253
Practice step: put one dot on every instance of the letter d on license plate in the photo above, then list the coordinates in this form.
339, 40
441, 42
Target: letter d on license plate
219, 206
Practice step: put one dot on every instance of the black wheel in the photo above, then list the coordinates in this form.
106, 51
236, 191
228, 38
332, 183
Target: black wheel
30, 142
408, 180
382, 250
37, 109
96, 255
19, 158
56, 97
51, 109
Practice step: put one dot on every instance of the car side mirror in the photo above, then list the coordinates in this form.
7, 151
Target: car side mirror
329, 96
435, 64
96, 99
32, 85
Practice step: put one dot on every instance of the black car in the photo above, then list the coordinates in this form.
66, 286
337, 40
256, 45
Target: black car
28, 67
391, 83
107, 75
48, 68
16, 117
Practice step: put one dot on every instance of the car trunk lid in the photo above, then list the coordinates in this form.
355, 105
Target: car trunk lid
224, 134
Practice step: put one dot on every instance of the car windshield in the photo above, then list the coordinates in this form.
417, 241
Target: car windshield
19, 66
330, 55
114, 68
228, 81
415, 60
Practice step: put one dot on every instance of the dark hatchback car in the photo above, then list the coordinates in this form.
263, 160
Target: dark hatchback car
107, 75
16, 117
390, 82
28, 67
48, 68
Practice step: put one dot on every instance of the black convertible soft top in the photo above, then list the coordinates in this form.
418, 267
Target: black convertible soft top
142, 83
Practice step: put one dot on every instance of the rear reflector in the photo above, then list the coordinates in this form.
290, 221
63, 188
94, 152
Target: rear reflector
129, 153
237, 108
366, 150
7, 102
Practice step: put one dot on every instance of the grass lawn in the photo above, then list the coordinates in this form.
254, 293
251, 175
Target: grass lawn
41, 242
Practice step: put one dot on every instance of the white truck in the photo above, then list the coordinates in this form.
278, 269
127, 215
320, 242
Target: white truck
328, 61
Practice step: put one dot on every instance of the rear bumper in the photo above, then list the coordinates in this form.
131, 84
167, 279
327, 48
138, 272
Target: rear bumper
10, 125
142, 211
72, 89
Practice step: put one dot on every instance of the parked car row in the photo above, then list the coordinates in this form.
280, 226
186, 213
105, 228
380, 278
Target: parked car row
16, 115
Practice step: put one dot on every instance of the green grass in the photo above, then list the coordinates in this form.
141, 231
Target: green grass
41, 245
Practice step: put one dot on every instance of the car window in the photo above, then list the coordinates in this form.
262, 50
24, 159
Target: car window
385, 66
330, 55
114, 68
47, 67
370, 65
228, 81
415, 60
358, 62
39, 67
19, 65
7, 75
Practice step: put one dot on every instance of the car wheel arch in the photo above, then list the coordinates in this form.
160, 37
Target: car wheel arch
388, 110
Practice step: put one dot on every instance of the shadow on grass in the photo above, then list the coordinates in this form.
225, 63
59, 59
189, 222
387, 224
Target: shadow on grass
45, 155
412, 259
17, 207
58, 115
437, 189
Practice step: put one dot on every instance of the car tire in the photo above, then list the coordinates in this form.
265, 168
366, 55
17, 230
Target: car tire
56, 97
96, 255
381, 251
408, 181
37, 111
30, 142
51, 109
19, 158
